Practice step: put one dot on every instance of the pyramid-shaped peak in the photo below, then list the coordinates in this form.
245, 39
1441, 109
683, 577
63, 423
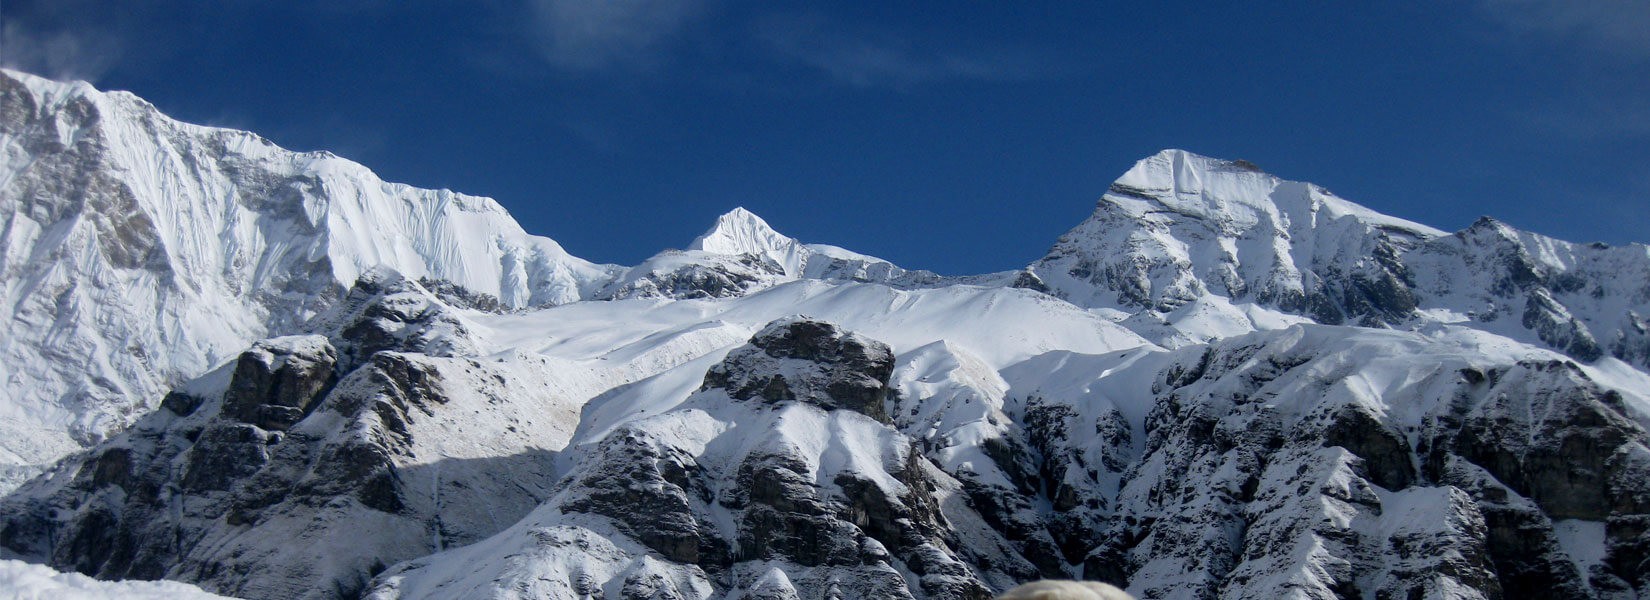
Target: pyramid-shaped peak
1179, 169
1237, 191
740, 231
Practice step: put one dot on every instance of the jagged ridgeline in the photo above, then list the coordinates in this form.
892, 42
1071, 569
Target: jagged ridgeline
274, 375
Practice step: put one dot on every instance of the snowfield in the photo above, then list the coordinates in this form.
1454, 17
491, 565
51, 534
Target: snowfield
22, 581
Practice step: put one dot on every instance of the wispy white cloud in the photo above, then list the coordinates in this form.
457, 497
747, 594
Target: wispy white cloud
588, 35
57, 54
871, 58
1604, 51
1591, 121
1621, 27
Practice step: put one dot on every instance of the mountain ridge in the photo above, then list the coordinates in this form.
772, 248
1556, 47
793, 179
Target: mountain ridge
1182, 249
1222, 384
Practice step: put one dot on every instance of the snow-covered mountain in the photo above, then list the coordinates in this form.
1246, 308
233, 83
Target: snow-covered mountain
138, 252
1221, 385
1186, 249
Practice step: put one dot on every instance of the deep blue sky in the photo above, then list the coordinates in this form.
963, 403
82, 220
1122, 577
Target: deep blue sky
956, 136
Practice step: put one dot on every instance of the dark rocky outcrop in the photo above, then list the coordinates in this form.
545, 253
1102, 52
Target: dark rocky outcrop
809, 361
275, 384
1551, 435
387, 311
710, 276
1386, 456
1553, 324
652, 493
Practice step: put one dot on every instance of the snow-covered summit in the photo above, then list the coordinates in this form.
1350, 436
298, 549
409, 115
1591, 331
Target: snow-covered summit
740, 231
741, 254
138, 251
1185, 249
1238, 195
1179, 228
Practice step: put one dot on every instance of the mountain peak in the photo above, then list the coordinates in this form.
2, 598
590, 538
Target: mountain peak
1180, 173
1224, 191
48, 88
1179, 227
740, 231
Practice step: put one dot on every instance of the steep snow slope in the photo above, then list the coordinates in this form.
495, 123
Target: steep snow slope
137, 251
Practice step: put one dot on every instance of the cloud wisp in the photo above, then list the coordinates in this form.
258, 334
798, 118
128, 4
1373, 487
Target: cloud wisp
61, 54
870, 58
1605, 53
591, 35
1590, 121
1621, 27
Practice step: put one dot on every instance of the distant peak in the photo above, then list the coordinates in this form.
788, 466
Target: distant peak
740, 231
1486, 222
1490, 227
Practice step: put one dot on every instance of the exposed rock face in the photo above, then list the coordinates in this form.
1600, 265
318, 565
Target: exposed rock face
654, 494
695, 275
1316, 461
298, 470
812, 362
386, 311
860, 516
276, 382
1258, 480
